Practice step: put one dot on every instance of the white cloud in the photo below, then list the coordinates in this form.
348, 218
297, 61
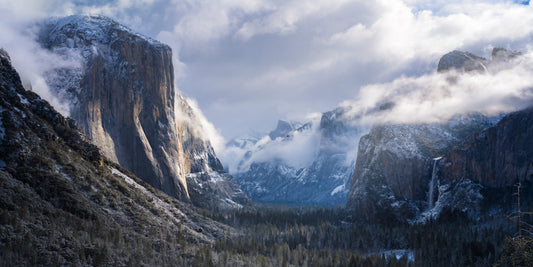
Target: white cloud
298, 151
322, 56
211, 20
401, 33
429, 98
436, 97
31, 60
205, 129
250, 62
286, 15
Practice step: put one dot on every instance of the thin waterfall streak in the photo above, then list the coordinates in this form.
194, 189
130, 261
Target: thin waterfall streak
431, 192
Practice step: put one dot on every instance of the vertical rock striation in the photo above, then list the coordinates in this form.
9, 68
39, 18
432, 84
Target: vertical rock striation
123, 97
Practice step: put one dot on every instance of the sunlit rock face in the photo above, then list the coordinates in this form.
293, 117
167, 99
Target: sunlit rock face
123, 96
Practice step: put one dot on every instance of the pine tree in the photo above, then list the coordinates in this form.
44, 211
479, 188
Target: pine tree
518, 251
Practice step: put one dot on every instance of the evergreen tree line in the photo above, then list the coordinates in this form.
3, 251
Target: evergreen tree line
276, 236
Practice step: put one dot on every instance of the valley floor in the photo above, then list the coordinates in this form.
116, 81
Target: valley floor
330, 237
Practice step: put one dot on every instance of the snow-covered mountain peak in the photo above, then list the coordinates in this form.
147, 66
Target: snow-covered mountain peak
83, 30
283, 129
306, 163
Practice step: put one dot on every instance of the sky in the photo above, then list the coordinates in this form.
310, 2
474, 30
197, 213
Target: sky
248, 63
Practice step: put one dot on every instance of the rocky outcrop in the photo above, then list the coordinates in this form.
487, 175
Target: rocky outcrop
124, 99
503, 55
462, 61
283, 129
468, 62
497, 157
394, 165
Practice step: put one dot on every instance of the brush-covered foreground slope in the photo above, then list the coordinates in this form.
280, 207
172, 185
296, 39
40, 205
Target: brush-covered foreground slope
122, 95
63, 203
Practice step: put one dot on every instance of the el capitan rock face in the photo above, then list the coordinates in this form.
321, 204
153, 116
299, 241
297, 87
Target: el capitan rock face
123, 97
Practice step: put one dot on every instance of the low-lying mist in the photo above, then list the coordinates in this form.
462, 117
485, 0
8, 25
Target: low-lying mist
33, 62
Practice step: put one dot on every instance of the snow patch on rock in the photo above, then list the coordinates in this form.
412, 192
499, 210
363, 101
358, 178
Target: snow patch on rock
338, 189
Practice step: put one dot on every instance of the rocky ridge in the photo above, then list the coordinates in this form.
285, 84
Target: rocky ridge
498, 156
395, 163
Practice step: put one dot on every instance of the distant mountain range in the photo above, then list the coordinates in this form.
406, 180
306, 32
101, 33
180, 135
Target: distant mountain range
399, 170
300, 163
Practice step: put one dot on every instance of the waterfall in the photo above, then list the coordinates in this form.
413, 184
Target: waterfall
431, 192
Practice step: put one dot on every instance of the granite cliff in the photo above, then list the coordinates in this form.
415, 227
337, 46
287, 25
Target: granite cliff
395, 163
124, 98
499, 156
414, 171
